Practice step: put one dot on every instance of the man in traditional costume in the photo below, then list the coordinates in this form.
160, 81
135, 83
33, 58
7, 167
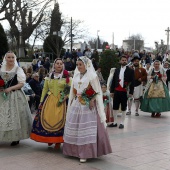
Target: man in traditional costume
140, 78
121, 89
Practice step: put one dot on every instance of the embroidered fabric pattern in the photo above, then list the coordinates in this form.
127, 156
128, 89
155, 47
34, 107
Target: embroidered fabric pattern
9, 117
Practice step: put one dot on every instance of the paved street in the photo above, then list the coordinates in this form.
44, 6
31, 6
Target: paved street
144, 144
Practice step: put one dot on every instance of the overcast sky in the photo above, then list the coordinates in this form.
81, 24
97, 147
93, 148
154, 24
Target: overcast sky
149, 18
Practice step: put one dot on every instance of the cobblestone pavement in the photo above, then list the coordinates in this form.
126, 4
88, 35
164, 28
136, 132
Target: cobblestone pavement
144, 144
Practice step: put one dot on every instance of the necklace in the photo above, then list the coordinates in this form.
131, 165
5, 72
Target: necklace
81, 76
79, 83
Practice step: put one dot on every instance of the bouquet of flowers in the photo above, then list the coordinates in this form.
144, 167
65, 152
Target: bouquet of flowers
156, 77
63, 94
87, 95
66, 75
105, 100
126, 85
2, 86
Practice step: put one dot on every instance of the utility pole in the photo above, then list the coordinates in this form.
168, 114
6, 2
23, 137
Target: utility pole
168, 30
71, 37
97, 41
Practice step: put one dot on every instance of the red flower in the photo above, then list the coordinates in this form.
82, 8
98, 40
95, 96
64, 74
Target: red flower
66, 75
105, 98
2, 83
159, 75
126, 83
90, 92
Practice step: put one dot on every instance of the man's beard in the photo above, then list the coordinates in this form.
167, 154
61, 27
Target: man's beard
136, 65
123, 64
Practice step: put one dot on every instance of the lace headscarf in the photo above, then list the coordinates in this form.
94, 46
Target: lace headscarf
94, 82
53, 68
4, 63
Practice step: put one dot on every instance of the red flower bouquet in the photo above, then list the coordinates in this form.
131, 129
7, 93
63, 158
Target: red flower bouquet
2, 83
126, 85
66, 75
159, 75
87, 95
2, 86
105, 100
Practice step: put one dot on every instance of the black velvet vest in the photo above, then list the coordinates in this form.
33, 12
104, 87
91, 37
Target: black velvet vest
11, 82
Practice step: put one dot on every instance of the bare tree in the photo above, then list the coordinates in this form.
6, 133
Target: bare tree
4, 5
24, 16
135, 42
78, 30
43, 30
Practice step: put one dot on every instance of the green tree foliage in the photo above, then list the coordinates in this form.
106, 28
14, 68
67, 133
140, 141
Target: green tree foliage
108, 60
56, 21
3, 42
50, 45
54, 43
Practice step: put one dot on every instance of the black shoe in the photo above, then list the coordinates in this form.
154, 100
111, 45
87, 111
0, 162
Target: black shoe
136, 114
14, 143
121, 126
112, 125
153, 114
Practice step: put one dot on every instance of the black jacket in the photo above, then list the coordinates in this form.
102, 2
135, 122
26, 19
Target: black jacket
168, 76
35, 85
129, 78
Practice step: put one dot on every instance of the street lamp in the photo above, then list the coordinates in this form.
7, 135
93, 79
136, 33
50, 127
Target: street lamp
134, 43
97, 40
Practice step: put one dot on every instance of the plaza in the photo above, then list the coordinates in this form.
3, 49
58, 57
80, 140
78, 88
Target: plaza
144, 144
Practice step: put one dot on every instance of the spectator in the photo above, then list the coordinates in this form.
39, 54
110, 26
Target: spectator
95, 59
67, 54
40, 61
28, 77
88, 53
99, 74
79, 53
35, 86
42, 72
69, 66
34, 65
29, 93
47, 64
159, 57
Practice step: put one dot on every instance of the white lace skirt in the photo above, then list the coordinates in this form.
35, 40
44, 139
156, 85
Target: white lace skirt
15, 117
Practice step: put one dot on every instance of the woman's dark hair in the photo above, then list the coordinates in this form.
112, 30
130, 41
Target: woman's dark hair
104, 84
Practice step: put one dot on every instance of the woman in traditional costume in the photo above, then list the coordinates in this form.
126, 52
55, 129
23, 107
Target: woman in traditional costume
48, 125
15, 115
156, 96
85, 134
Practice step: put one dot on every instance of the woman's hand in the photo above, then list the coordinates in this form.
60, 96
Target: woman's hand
91, 104
1, 89
65, 98
9, 89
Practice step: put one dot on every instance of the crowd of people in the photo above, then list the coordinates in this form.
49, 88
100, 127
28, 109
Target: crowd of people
74, 105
